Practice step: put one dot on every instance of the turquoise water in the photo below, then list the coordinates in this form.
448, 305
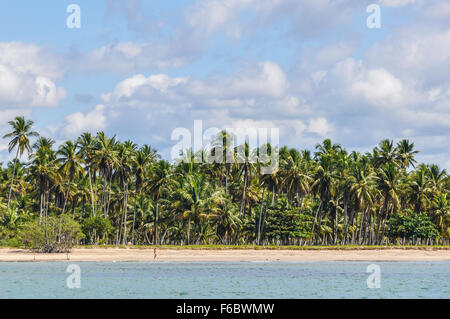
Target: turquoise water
225, 280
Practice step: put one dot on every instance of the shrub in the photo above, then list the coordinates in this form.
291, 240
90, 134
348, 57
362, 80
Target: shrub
411, 226
286, 223
55, 235
95, 227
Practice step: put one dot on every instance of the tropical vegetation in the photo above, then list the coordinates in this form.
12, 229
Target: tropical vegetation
111, 192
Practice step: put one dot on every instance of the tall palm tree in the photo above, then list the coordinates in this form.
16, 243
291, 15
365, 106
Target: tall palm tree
43, 169
323, 187
20, 139
160, 180
71, 165
86, 144
141, 165
105, 158
390, 185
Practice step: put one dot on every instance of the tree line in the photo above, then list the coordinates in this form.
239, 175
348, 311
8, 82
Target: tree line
121, 193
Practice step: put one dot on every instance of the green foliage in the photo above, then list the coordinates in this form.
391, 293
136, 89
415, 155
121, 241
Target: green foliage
328, 196
411, 226
55, 235
95, 227
7, 237
284, 222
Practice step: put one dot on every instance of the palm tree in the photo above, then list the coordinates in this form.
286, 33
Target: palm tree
194, 195
141, 166
43, 169
323, 186
160, 180
405, 153
20, 138
295, 174
362, 190
385, 154
70, 161
436, 177
441, 214
86, 143
389, 184
126, 152
105, 158
419, 189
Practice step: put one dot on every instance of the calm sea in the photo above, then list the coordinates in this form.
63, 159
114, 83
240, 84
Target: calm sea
225, 280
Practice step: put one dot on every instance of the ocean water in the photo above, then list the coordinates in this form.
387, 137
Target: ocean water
225, 280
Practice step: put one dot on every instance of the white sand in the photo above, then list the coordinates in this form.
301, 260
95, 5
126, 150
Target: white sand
188, 255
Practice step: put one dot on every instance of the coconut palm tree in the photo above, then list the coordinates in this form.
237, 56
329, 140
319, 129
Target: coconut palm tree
20, 139
405, 153
161, 178
71, 165
43, 169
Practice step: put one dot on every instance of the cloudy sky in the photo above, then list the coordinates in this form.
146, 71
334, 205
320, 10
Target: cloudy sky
141, 68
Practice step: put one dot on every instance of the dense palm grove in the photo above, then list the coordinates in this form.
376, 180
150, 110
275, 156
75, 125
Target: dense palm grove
121, 193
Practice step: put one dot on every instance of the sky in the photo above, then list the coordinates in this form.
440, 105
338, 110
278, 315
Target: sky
139, 69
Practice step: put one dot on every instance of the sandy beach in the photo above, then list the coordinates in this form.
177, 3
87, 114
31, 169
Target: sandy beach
189, 255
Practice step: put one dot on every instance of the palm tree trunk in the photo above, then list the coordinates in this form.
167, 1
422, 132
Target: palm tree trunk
67, 195
243, 194
134, 218
361, 225
188, 230
336, 224
125, 211
156, 223
260, 218
345, 222
40, 209
92, 194
380, 221
315, 219
109, 196
12, 177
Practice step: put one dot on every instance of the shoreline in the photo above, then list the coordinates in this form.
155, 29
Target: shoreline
226, 255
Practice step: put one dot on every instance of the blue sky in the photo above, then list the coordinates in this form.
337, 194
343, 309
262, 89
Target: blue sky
140, 69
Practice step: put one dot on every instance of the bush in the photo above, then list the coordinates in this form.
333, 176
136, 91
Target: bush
55, 235
96, 227
7, 238
411, 226
286, 223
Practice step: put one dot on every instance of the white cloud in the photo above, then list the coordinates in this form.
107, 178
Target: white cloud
397, 3
320, 126
124, 57
93, 121
27, 75
379, 87
210, 16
